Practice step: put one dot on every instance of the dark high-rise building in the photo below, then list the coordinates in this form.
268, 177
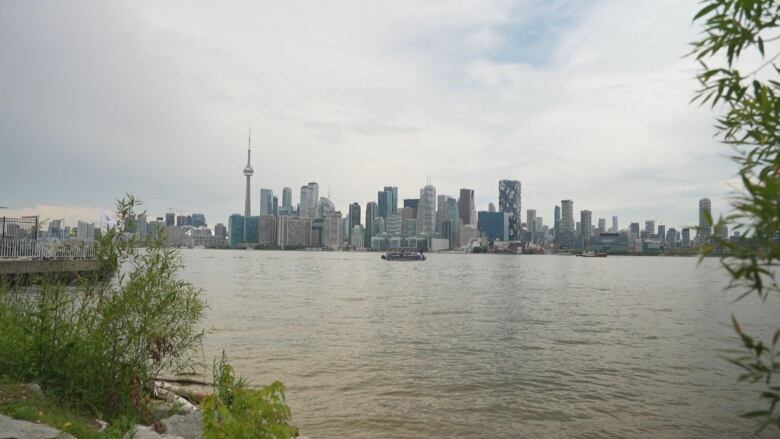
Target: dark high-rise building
220, 231
633, 230
557, 223
586, 224
275, 205
354, 215
372, 212
170, 219
466, 208
509, 201
387, 201
493, 225
236, 227
411, 202
287, 197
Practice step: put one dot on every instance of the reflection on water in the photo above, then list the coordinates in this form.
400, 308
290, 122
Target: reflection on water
483, 345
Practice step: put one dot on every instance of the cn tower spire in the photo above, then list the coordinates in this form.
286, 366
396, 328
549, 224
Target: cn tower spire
248, 171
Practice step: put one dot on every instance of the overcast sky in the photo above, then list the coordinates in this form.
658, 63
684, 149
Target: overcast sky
587, 100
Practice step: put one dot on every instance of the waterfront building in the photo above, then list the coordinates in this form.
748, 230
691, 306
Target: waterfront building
170, 219
608, 243
220, 231
662, 233
493, 225
557, 222
685, 240
372, 209
615, 227
466, 208
236, 227
426, 211
248, 172
293, 232
266, 201
704, 230
141, 224
331, 230
510, 201
344, 231
539, 230
633, 231
530, 221
603, 226
252, 230
275, 203
671, 238
267, 230
356, 238
174, 235
586, 224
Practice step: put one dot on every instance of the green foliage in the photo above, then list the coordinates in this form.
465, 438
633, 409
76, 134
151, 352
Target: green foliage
750, 124
96, 345
236, 411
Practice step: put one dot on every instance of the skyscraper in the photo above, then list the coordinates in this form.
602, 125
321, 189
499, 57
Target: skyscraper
530, 223
466, 209
248, 172
650, 227
662, 232
705, 224
602, 225
354, 215
170, 219
615, 227
567, 223
287, 198
266, 201
387, 200
557, 224
509, 200
371, 215
310, 201
586, 224
426, 211
633, 230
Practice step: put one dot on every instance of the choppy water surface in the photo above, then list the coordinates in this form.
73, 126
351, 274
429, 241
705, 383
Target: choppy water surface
483, 345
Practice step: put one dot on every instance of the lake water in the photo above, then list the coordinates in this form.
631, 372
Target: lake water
494, 346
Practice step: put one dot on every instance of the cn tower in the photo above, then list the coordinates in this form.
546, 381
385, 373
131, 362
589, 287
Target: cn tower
248, 171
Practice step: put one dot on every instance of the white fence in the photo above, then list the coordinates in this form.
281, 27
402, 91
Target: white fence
48, 249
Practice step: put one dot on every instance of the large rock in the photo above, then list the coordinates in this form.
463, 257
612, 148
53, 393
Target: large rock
143, 432
188, 426
14, 428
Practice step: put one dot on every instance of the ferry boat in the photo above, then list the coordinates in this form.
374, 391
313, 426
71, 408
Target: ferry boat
404, 254
592, 254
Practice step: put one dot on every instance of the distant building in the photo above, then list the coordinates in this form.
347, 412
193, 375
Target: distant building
85, 231
704, 230
615, 227
633, 231
354, 215
602, 225
686, 237
310, 201
530, 221
266, 201
198, 220
170, 219
275, 203
586, 224
252, 230
662, 233
412, 203
357, 237
293, 232
371, 215
466, 208
236, 227
671, 238
393, 224
609, 243
267, 230
426, 211
220, 231
650, 227
510, 201
387, 201
331, 230
494, 225
491, 207
287, 198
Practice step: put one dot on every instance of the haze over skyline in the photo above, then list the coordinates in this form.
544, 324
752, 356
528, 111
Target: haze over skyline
581, 100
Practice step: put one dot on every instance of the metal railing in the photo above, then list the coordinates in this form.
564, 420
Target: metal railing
25, 227
49, 249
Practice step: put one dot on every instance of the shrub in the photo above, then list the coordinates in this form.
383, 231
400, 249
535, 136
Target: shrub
98, 343
236, 411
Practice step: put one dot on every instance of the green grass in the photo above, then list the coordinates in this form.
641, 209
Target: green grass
18, 402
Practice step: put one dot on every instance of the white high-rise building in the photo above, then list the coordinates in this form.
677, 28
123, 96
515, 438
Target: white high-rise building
602, 225
426, 211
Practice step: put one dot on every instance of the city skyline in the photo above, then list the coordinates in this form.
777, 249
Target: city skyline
557, 112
